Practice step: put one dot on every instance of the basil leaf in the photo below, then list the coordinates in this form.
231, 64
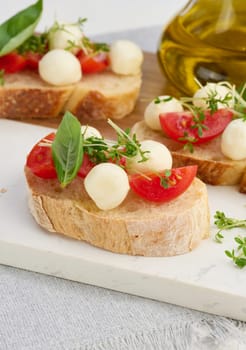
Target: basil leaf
67, 149
20, 27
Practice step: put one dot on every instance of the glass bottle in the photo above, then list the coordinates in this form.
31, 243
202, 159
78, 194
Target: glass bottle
205, 42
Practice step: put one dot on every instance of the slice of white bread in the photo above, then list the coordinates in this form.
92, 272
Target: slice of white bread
213, 167
25, 95
136, 227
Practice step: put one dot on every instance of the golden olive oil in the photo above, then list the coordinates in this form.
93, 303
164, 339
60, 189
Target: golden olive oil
205, 42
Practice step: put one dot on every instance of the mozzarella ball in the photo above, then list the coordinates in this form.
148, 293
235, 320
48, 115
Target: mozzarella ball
89, 131
211, 89
64, 35
107, 184
233, 140
159, 158
60, 67
125, 57
153, 110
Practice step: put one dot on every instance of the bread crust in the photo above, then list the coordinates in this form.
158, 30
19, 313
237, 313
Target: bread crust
213, 167
136, 227
98, 96
104, 95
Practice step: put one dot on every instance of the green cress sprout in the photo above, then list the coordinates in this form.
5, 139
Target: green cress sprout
69, 146
238, 256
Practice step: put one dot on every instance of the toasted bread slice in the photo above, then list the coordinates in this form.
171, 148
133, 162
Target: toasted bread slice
136, 227
25, 95
213, 167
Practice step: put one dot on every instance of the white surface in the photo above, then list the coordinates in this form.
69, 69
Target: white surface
204, 279
103, 16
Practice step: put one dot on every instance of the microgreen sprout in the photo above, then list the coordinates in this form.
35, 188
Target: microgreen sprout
164, 180
198, 122
101, 150
239, 259
60, 26
1, 77
37, 43
158, 100
234, 100
89, 47
189, 141
226, 223
131, 144
214, 100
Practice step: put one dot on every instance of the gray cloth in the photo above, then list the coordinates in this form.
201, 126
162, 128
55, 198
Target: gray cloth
47, 313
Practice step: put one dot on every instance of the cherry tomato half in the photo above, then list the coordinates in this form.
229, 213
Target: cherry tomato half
12, 62
93, 63
178, 124
40, 160
32, 59
150, 188
86, 166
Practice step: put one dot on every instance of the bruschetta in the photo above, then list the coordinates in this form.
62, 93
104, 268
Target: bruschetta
119, 195
208, 130
44, 74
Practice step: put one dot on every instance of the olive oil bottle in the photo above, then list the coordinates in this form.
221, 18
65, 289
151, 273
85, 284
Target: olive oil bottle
205, 42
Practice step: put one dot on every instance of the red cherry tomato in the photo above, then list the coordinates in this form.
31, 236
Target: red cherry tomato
93, 63
176, 125
32, 59
149, 186
86, 166
12, 62
40, 160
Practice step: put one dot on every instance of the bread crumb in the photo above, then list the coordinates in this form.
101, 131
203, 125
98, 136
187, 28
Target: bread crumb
3, 190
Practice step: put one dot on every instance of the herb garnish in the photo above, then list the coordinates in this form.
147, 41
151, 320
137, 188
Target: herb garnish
225, 223
165, 179
213, 100
35, 43
60, 26
240, 258
70, 145
89, 47
158, 100
67, 150
131, 144
1, 77
189, 141
198, 122
101, 150
19, 28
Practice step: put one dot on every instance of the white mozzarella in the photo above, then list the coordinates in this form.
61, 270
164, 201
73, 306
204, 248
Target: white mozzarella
153, 110
233, 140
64, 35
90, 131
60, 67
159, 158
125, 57
107, 184
216, 90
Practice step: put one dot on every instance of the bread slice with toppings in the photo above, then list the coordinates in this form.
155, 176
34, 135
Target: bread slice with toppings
25, 95
61, 69
213, 167
136, 227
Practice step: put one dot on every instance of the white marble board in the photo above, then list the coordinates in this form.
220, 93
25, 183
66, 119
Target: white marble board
204, 279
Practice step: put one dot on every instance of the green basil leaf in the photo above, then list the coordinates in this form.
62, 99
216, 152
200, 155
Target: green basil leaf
67, 149
18, 28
